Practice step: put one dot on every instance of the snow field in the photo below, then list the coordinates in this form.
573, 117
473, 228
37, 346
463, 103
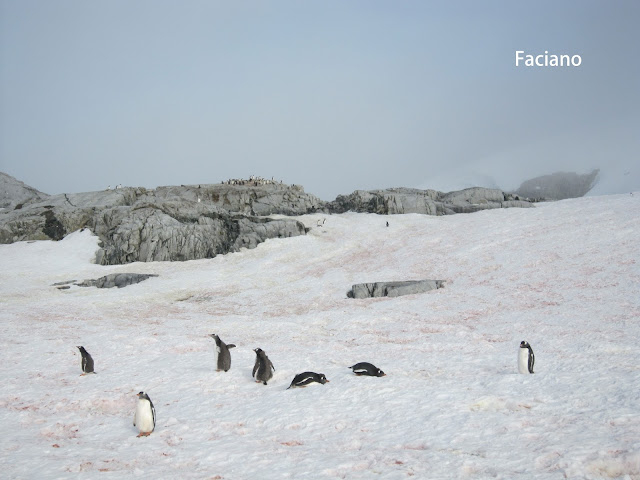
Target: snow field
564, 276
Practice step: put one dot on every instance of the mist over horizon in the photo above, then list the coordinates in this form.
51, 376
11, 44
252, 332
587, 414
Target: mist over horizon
336, 97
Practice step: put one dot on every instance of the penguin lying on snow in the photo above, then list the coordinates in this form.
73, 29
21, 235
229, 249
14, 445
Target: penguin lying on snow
145, 416
86, 362
263, 368
306, 378
222, 355
365, 368
526, 358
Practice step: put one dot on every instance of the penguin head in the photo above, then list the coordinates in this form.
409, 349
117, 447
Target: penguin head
81, 348
215, 337
524, 344
379, 373
322, 379
142, 395
258, 351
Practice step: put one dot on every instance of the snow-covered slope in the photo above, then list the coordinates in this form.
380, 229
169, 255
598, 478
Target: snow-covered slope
564, 276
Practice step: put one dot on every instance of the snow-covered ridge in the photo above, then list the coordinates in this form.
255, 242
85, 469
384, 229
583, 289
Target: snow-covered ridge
564, 276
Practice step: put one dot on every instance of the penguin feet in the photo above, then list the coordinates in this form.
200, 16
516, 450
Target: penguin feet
143, 434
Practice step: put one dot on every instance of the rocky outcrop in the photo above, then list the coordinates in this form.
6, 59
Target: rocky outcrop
15, 194
558, 186
430, 202
393, 289
201, 221
119, 280
170, 223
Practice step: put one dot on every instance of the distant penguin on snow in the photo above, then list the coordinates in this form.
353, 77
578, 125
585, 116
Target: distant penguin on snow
145, 416
263, 368
365, 368
306, 378
86, 362
222, 355
526, 358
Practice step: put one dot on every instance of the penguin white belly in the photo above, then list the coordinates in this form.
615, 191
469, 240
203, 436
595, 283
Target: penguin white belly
523, 360
216, 354
144, 416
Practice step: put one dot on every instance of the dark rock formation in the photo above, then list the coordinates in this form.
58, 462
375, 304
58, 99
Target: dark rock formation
393, 289
558, 186
430, 202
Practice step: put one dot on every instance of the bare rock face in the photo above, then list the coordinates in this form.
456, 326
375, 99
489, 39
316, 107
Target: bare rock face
429, 202
176, 231
558, 186
201, 221
170, 223
393, 289
15, 194
119, 280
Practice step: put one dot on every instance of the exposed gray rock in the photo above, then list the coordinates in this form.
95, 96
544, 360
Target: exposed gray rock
136, 224
108, 281
393, 289
558, 186
430, 202
15, 194
202, 221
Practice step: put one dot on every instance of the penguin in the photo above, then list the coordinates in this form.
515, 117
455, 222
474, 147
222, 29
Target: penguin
86, 362
526, 358
222, 355
263, 368
145, 416
306, 378
387, 224
365, 368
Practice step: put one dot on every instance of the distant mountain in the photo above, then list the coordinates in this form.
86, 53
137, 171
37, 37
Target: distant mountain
13, 192
558, 186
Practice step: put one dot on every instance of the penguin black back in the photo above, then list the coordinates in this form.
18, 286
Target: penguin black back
86, 362
305, 378
263, 368
526, 359
366, 368
223, 356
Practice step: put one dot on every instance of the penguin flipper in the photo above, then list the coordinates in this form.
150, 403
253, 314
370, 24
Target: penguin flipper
255, 367
231, 345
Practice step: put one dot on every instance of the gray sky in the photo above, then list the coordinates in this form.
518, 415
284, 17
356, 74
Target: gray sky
333, 95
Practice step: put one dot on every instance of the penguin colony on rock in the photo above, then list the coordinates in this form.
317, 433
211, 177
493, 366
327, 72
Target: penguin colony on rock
145, 415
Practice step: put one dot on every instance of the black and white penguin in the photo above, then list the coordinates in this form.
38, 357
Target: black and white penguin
222, 355
306, 378
263, 368
86, 362
387, 224
365, 368
145, 416
526, 358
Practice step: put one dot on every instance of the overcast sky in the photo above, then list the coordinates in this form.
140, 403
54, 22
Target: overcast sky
332, 95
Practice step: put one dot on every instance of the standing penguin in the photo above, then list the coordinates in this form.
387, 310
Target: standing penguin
145, 416
526, 358
263, 368
365, 368
86, 362
222, 355
305, 378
